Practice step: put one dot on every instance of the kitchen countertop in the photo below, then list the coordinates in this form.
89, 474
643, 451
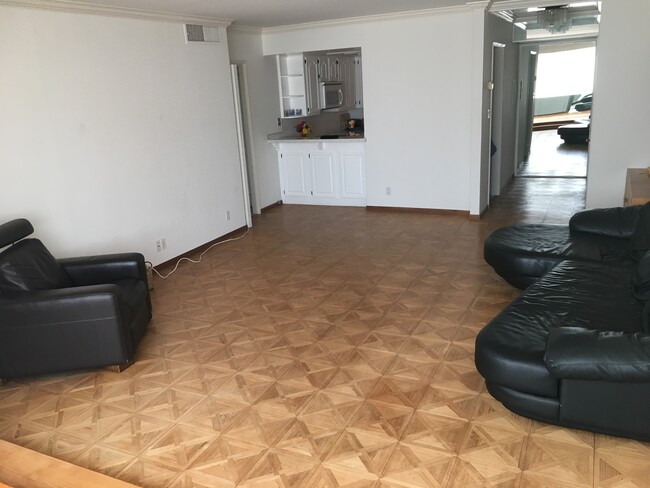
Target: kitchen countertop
358, 137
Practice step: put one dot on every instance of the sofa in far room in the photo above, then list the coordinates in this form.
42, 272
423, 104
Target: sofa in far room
575, 133
574, 348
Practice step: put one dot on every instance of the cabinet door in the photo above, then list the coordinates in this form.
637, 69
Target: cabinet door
347, 69
352, 176
296, 174
312, 84
334, 68
324, 174
358, 78
323, 68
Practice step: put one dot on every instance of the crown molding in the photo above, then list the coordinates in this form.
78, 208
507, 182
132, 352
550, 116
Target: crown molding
410, 14
109, 11
248, 29
519, 4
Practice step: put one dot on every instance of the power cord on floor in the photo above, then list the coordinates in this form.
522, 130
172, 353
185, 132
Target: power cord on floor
195, 261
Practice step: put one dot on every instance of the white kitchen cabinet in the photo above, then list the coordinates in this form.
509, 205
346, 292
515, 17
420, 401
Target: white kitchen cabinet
333, 68
300, 75
322, 173
347, 70
312, 78
291, 80
353, 177
358, 80
295, 173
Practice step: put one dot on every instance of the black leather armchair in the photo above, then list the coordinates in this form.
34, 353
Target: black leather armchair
68, 314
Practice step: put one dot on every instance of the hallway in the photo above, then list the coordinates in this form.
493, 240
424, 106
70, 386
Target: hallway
541, 200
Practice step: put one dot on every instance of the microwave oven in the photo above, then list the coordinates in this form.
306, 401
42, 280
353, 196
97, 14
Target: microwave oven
331, 95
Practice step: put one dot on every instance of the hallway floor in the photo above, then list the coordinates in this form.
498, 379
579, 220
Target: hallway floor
550, 156
329, 347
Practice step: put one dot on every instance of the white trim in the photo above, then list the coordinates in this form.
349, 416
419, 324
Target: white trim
239, 125
410, 14
84, 8
246, 29
519, 4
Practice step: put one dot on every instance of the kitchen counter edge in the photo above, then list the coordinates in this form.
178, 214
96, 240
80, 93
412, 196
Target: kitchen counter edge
282, 139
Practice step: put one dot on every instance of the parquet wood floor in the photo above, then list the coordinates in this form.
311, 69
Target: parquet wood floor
330, 347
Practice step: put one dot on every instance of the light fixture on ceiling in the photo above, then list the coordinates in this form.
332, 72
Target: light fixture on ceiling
554, 19
562, 20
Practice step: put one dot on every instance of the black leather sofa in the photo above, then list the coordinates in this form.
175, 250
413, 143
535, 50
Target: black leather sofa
521, 254
574, 348
68, 314
576, 133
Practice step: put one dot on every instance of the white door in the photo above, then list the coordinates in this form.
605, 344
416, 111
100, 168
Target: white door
296, 174
324, 175
352, 176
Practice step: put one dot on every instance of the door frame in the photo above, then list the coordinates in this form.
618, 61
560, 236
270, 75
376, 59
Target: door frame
494, 121
241, 143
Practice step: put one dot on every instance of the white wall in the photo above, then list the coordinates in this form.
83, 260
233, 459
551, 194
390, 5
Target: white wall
115, 133
245, 47
620, 128
417, 76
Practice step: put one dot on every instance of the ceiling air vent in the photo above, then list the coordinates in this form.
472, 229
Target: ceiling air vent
201, 33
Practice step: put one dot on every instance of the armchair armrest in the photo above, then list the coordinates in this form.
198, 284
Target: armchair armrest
93, 302
91, 270
619, 222
63, 329
577, 353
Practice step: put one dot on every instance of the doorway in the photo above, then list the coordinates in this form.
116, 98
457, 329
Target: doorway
555, 78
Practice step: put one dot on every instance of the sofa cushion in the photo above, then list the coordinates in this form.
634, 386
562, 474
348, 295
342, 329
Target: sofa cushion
640, 240
523, 253
582, 354
619, 222
641, 278
510, 349
29, 266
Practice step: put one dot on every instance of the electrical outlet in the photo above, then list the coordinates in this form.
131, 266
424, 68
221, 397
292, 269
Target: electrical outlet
279, 122
227, 214
158, 246
164, 243
388, 190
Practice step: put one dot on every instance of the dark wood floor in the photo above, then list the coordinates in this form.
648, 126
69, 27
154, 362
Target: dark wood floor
550, 156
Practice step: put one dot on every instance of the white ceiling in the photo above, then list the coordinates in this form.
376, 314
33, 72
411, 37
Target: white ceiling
272, 13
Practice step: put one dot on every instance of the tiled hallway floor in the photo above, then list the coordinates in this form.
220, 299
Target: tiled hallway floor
329, 347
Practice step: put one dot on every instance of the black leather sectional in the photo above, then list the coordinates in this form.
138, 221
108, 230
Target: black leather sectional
574, 348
